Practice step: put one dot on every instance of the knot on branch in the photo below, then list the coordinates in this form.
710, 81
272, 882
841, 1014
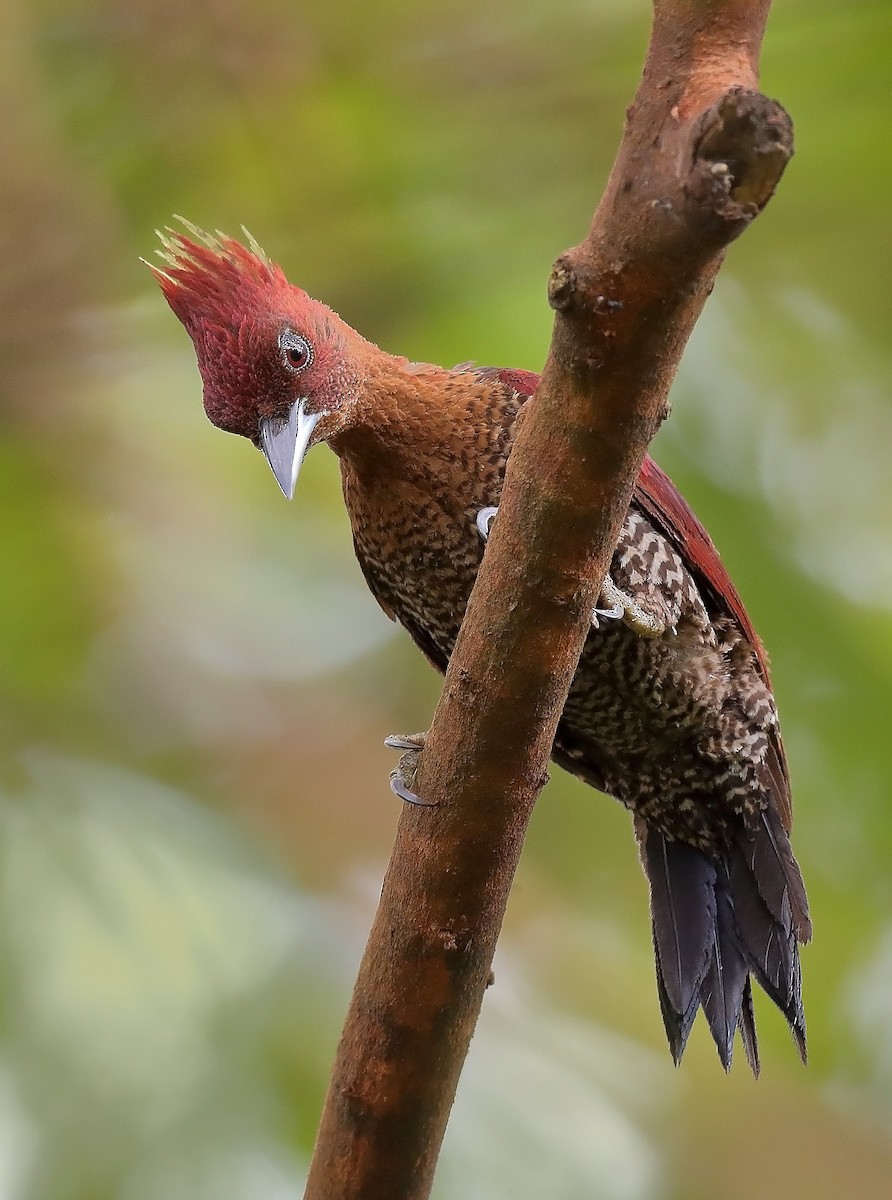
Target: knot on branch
562, 285
740, 147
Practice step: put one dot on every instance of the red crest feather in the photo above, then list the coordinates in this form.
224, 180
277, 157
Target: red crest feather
212, 278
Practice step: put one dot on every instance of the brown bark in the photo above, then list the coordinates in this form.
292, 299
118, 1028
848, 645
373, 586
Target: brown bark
701, 154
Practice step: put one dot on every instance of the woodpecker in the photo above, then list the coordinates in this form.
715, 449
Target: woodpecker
671, 710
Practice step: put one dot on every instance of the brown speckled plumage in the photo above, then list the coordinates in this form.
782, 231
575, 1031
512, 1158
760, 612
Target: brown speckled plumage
678, 722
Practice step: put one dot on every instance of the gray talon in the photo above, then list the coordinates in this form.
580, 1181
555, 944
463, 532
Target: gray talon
403, 775
398, 787
485, 518
611, 594
611, 614
405, 741
644, 623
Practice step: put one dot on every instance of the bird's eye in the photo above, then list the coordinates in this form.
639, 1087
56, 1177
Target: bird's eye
297, 353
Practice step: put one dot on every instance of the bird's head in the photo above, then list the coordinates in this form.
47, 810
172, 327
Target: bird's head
277, 366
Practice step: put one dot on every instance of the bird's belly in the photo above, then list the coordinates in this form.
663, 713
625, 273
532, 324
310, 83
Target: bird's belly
660, 725
653, 722
425, 583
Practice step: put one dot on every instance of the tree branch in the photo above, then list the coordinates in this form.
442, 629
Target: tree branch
701, 154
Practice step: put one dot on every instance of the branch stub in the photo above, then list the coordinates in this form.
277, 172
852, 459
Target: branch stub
562, 285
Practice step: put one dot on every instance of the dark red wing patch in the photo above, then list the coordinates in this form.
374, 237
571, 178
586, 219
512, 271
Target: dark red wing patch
522, 382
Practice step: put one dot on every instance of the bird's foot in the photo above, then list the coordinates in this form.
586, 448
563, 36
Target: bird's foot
618, 605
622, 606
402, 777
612, 596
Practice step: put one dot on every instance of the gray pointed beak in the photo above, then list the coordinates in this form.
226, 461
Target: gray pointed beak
285, 443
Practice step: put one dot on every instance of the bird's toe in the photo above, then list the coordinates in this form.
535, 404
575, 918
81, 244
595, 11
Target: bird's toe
402, 777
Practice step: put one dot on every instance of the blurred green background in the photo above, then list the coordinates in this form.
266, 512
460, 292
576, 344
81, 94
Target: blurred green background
195, 684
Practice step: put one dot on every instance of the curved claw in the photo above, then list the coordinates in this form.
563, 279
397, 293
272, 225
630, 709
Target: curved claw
638, 619
404, 773
399, 789
611, 614
612, 595
404, 741
485, 518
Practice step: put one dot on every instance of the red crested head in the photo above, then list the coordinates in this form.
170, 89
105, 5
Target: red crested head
275, 363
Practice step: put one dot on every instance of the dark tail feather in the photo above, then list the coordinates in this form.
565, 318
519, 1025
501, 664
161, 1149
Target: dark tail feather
770, 944
748, 1029
677, 1025
722, 994
682, 903
771, 863
713, 927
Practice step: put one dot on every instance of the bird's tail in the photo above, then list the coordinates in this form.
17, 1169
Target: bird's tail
717, 923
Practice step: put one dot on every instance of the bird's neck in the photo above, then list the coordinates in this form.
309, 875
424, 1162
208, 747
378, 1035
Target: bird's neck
424, 454
414, 424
